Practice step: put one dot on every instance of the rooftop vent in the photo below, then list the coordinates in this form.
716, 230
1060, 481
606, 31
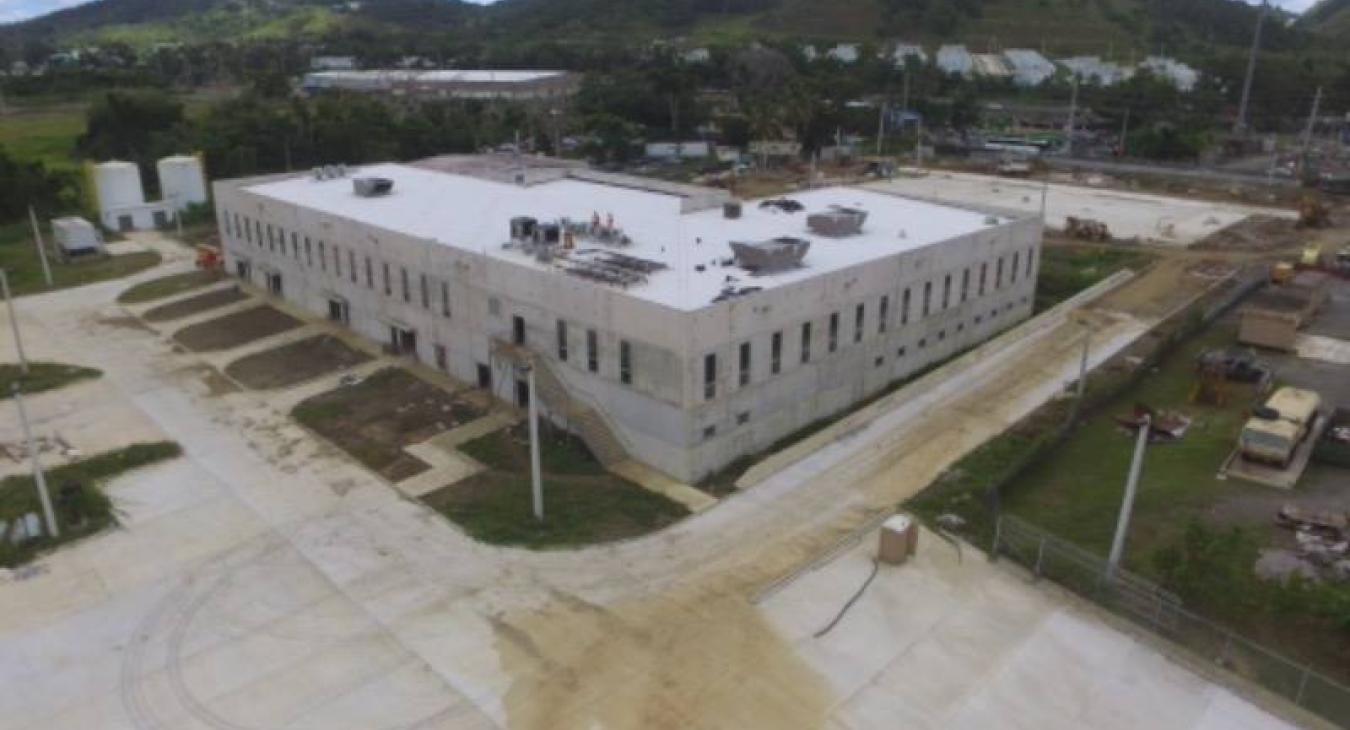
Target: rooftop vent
776, 254
731, 209
837, 222
372, 187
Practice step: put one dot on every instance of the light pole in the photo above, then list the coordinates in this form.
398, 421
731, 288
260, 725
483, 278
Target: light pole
536, 481
41, 247
38, 476
13, 321
1127, 505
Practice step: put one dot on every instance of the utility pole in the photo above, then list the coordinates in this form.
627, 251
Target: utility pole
1240, 126
1081, 389
13, 321
881, 127
1131, 489
1073, 117
1312, 121
41, 247
38, 476
1125, 132
536, 481
918, 144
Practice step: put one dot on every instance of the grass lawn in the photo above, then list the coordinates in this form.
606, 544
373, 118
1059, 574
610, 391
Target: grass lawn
1075, 492
45, 135
583, 503
375, 419
168, 286
85, 512
42, 376
19, 259
1067, 269
295, 363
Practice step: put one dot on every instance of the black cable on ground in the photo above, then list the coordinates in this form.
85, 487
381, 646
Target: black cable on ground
876, 566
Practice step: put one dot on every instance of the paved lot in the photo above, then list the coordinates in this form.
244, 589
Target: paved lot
949, 642
266, 581
1154, 218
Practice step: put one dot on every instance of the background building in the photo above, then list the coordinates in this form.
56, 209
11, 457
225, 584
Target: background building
448, 84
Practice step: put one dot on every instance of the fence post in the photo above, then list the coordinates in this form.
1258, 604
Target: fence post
1302, 685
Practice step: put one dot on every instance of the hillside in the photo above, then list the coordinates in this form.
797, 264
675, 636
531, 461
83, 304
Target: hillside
1061, 27
1329, 18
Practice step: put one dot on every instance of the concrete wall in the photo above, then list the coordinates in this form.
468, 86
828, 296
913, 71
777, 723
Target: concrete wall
662, 416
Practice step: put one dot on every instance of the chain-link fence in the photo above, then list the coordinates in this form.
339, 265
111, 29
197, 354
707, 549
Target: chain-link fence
1149, 605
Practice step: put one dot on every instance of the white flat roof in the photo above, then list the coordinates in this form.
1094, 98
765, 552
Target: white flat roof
443, 76
473, 215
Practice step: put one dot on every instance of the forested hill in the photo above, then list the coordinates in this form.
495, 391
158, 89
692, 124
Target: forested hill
1058, 26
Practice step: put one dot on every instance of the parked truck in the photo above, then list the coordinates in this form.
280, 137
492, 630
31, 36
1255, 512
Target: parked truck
1276, 430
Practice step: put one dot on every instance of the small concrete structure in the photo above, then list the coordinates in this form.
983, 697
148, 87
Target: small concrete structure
76, 236
648, 338
955, 59
182, 183
696, 149
1029, 68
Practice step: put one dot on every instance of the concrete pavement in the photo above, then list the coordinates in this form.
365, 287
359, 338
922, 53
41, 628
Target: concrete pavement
265, 581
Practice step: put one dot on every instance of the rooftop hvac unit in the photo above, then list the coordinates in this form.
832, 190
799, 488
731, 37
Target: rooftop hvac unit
837, 222
372, 187
773, 255
522, 228
731, 209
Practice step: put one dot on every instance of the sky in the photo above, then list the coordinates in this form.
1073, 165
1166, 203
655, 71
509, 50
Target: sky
14, 10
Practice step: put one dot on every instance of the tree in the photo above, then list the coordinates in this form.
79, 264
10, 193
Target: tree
141, 126
24, 184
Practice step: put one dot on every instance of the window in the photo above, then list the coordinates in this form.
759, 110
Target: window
562, 339
834, 332
883, 313
625, 362
351, 264
900, 353
927, 297
806, 343
309, 253
1031, 257
370, 274
984, 274
881, 360
257, 227
592, 351
1017, 264
337, 260
744, 377
946, 292
323, 256
904, 307
709, 376
859, 315
923, 343
238, 228
776, 353
295, 245
709, 433
998, 274
942, 335
388, 286
742, 418
271, 238
965, 284
445, 299
403, 281
425, 291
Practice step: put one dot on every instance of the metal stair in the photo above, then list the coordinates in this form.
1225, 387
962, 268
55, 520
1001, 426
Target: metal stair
587, 422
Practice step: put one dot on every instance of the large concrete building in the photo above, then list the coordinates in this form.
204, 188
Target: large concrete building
448, 84
665, 323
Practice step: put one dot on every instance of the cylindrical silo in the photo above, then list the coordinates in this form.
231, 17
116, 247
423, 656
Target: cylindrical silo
181, 180
118, 185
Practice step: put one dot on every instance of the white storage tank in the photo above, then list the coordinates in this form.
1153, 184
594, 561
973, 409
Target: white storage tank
76, 236
181, 180
118, 185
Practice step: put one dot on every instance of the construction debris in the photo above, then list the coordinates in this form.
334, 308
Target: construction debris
1313, 213
1164, 426
1086, 229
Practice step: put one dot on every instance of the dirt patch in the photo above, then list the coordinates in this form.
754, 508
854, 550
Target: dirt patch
234, 330
170, 285
690, 658
194, 305
126, 322
376, 418
1257, 233
295, 363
